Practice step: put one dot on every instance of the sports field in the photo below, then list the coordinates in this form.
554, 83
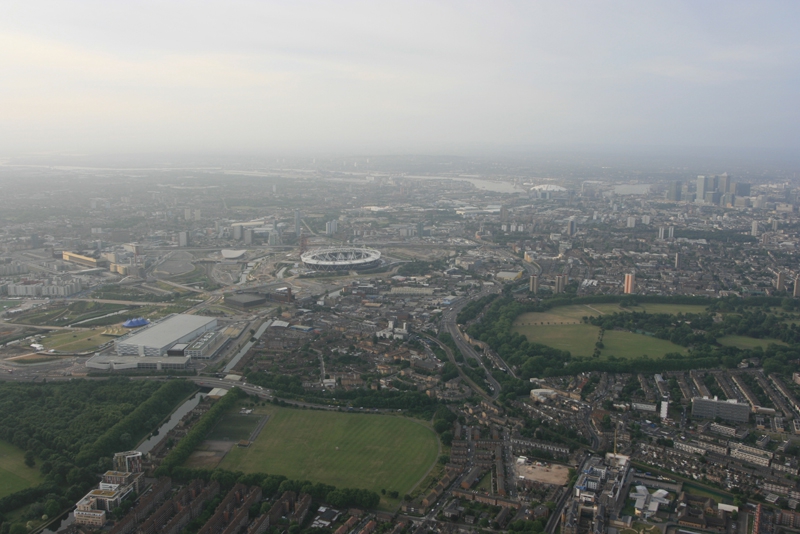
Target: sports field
562, 328
346, 450
744, 342
234, 428
580, 339
14, 474
574, 314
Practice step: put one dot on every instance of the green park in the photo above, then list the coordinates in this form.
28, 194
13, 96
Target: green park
352, 450
14, 474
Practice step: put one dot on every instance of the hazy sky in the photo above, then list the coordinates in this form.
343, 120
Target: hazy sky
128, 76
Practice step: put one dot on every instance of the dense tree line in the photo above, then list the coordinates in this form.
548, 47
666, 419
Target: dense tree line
275, 485
62, 418
420, 268
74, 427
180, 453
413, 402
291, 384
290, 387
695, 329
443, 421
474, 308
138, 423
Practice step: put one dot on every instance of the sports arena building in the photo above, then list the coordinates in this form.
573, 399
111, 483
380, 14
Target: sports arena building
341, 259
150, 347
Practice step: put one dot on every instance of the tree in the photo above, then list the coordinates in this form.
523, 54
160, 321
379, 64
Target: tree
29, 461
51, 507
18, 528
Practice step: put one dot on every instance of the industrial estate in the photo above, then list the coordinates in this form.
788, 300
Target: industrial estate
377, 346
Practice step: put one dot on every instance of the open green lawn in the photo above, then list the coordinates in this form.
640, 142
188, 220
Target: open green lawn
75, 341
346, 450
14, 474
630, 345
234, 428
744, 342
579, 339
574, 313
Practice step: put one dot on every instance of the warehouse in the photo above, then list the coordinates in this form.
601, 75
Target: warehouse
157, 339
245, 300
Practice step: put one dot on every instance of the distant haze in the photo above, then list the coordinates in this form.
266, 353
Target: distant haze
118, 76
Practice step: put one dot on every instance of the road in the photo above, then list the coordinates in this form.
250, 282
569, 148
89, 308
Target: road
449, 325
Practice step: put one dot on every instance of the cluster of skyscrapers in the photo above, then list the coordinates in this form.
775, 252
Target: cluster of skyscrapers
716, 189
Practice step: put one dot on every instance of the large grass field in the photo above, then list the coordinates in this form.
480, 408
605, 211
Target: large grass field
574, 314
346, 450
234, 428
744, 342
579, 340
14, 474
562, 328
75, 341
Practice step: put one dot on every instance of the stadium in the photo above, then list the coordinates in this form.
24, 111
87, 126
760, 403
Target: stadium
341, 259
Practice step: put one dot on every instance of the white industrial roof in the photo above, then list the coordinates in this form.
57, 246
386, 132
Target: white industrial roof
168, 331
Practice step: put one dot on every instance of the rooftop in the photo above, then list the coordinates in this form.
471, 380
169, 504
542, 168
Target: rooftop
168, 330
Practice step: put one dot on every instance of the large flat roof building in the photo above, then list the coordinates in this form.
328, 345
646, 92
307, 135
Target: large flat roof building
155, 340
729, 410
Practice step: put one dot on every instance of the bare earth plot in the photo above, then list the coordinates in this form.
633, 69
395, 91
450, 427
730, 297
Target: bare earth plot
555, 474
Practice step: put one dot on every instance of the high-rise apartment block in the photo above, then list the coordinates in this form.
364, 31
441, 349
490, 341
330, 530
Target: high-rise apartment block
630, 283
729, 410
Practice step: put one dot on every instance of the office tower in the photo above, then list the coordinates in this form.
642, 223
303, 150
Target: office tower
780, 281
572, 227
503, 213
661, 233
754, 229
533, 286
671, 232
248, 237
187, 214
238, 233
712, 197
631, 222
774, 225
741, 190
331, 227
796, 292
677, 260
761, 202
702, 187
724, 183
198, 215
645, 219
630, 282
674, 191
183, 239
